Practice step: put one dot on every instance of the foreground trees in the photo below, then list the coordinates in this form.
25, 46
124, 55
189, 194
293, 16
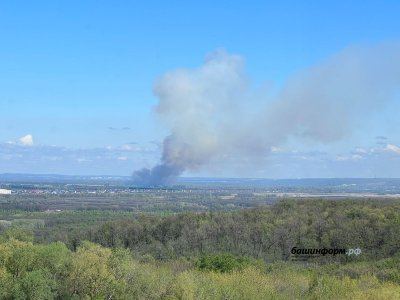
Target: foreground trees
227, 255
29, 271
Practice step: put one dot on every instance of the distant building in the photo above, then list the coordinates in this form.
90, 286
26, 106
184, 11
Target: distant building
5, 192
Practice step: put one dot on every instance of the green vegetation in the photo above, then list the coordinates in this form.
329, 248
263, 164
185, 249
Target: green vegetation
222, 263
241, 254
137, 200
29, 271
267, 233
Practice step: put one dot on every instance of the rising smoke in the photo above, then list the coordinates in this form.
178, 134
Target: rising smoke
213, 111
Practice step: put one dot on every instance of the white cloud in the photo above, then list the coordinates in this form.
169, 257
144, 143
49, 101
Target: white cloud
393, 148
18, 158
127, 147
361, 150
276, 149
349, 157
82, 159
356, 157
26, 140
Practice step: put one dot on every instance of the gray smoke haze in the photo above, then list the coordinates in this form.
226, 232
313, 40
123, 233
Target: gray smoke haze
213, 111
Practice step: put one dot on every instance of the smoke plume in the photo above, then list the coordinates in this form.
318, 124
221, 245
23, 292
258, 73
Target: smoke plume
213, 111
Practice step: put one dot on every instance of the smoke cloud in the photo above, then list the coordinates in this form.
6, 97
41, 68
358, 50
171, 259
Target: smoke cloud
213, 111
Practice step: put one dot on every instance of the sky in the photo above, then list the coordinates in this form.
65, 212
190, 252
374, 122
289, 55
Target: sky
77, 82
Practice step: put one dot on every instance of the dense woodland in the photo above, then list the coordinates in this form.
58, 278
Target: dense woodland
266, 233
52, 271
240, 254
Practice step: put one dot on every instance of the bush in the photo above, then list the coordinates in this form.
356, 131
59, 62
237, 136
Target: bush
222, 262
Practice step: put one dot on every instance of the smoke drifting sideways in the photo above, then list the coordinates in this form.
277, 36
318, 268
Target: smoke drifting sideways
214, 112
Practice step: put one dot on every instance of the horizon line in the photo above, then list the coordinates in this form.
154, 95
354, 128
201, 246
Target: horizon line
189, 177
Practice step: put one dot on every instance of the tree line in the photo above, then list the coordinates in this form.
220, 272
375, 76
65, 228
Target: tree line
267, 233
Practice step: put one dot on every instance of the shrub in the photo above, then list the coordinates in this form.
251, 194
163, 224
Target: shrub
222, 262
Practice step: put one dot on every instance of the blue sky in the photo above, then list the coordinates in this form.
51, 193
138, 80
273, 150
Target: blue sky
76, 80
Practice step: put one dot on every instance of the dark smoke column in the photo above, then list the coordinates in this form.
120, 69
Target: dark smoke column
159, 175
193, 103
176, 158
164, 173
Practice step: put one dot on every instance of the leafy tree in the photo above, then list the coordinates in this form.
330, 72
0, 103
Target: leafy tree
90, 275
21, 234
222, 263
35, 285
